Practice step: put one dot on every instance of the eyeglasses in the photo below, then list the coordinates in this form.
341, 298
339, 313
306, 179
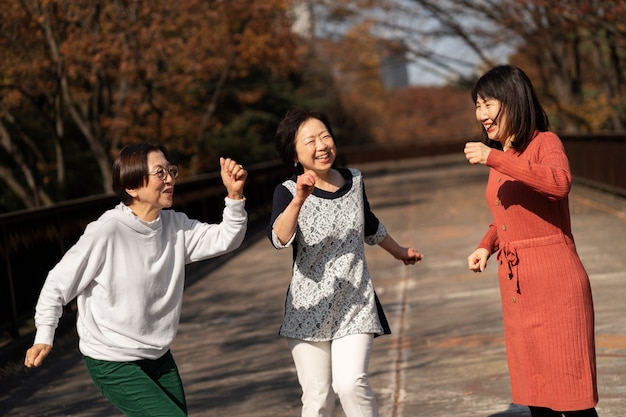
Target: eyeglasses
161, 173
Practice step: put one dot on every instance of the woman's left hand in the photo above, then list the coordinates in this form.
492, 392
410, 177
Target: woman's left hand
411, 256
234, 177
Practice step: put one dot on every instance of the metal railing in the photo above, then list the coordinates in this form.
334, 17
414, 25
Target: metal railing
598, 160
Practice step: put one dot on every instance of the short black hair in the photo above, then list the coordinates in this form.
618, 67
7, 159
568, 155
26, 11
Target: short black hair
130, 168
288, 129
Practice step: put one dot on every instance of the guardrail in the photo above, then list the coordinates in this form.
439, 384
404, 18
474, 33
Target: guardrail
32, 241
598, 160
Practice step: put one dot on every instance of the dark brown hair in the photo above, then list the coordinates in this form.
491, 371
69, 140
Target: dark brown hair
130, 168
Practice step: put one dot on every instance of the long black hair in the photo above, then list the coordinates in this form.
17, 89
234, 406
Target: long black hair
519, 104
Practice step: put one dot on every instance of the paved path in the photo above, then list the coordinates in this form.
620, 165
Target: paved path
446, 355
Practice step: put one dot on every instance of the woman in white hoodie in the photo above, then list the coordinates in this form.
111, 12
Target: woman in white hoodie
127, 274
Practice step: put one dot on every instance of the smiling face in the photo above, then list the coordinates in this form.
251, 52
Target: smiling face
491, 113
155, 194
315, 147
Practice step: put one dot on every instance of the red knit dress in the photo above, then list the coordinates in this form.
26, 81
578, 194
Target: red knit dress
546, 295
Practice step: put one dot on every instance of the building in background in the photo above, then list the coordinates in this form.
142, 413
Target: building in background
394, 66
311, 24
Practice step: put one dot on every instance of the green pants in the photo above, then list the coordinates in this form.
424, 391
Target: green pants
145, 388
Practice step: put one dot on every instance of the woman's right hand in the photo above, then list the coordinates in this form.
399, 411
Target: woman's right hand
305, 184
285, 225
36, 354
477, 261
476, 152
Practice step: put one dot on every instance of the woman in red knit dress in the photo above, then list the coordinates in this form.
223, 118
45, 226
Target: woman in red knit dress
546, 295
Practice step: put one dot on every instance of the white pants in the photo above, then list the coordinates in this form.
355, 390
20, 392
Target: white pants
338, 366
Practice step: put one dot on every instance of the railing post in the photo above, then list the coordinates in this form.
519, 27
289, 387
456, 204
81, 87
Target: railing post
13, 328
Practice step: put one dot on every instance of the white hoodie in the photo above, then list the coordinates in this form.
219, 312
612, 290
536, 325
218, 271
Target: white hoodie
128, 276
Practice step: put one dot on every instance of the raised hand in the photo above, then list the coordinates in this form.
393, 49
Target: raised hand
476, 152
234, 177
305, 185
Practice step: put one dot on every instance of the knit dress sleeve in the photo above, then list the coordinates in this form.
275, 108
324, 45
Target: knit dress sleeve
490, 240
547, 172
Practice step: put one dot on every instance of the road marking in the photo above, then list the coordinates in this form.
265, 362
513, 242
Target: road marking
397, 394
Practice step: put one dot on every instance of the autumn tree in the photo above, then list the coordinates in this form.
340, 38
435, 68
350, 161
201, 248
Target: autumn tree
91, 76
355, 38
431, 114
574, 51
578, 50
